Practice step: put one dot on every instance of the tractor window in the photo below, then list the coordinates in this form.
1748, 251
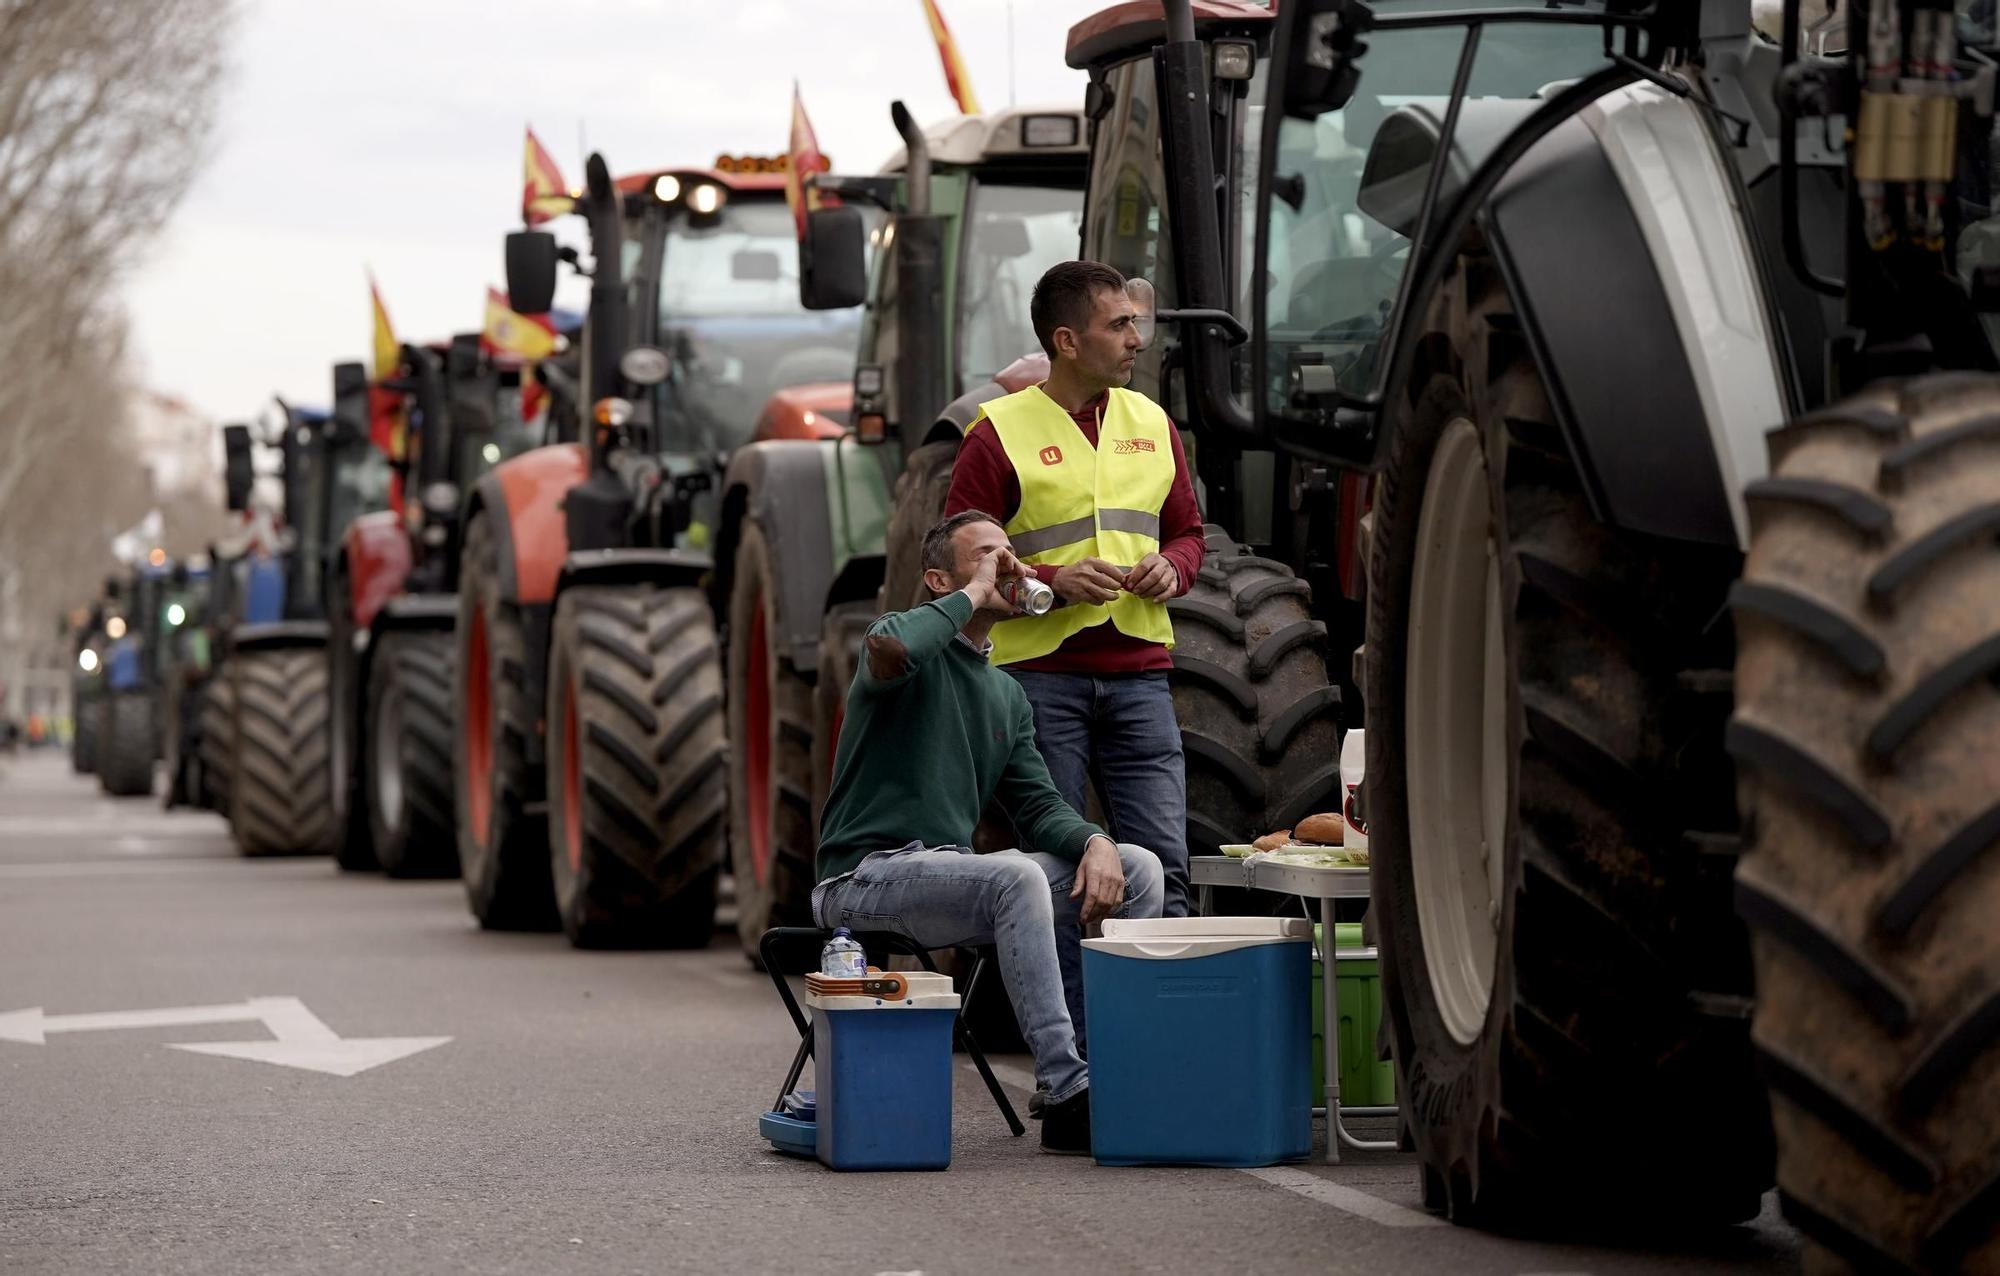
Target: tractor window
1335, 251
730, 317
1125, 225
1013, 234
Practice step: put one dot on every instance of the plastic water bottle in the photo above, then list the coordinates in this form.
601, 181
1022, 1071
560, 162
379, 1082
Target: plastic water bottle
842, 958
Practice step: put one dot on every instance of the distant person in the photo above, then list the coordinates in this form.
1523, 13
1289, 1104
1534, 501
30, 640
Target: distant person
933, 733
1095, 494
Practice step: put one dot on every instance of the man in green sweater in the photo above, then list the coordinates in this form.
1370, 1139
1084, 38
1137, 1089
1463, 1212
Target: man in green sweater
932, 733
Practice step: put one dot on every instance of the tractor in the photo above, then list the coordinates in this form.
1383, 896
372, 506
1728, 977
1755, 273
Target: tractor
1666, 341
186, 665
270, 706
128, 712
392, 606
86, 686
592, 756
973, 210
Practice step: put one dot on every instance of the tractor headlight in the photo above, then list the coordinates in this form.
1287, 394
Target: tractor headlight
612, 412
86, 660
705, 199
667, 188
114, 628
176, 614
441, 498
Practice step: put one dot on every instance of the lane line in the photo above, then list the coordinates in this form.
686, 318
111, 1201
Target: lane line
1353, 1201
1301, 1182
135, 867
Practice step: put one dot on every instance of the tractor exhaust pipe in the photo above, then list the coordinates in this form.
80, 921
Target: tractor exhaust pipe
917, 172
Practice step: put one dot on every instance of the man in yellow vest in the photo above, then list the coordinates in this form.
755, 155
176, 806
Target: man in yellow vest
1093, 488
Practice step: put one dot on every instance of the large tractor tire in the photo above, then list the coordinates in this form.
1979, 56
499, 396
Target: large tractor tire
1551, 814
346, 725
770, 703
177, 759
840, 635
126, 744
83, 744
1867, 727
1258, 713
637, 761
919, 505
217, 733
408, 755
503, 846
282, 781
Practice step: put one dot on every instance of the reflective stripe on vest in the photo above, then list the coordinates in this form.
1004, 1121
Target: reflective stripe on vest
1081, 502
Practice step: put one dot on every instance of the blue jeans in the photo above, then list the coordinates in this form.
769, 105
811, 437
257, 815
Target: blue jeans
1119, 732
1019, 903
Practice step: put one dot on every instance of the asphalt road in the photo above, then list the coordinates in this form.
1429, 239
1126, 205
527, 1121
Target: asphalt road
589, 1112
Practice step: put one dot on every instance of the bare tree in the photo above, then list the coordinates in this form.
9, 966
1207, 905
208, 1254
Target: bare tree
105, 110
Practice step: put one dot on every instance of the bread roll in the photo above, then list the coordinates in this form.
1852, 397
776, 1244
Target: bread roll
1272, 841
1327, 829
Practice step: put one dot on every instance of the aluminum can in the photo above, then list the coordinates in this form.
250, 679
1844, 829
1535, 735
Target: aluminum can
1028, 595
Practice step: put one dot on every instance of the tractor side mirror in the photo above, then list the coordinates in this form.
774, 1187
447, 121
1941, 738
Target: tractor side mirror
531, 271
238, 473
1145, 310
833, 259
1318, 46
350, 423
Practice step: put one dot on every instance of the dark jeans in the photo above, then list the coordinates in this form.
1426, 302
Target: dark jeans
1121, 734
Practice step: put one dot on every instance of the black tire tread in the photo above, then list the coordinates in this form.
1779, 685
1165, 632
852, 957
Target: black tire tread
282, 777
1889, 1133
415, 667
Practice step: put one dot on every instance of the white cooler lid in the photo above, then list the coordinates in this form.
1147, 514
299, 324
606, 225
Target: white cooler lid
1180, 938
928, 991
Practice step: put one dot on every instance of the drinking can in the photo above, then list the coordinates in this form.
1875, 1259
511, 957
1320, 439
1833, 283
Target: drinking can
1028, 595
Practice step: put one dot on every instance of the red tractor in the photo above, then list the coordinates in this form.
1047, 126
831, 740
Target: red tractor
592, 753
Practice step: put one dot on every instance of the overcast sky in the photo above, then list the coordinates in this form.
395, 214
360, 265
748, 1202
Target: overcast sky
371, 134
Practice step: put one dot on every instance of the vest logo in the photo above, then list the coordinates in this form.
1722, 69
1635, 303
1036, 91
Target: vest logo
1051, 455
1125, 447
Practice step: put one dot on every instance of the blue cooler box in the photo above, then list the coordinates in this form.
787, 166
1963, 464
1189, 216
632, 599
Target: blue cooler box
882, 1070
1200, 1029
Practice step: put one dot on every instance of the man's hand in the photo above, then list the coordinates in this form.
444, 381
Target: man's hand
984, 587
1100, 880
1091, 581
1154, 577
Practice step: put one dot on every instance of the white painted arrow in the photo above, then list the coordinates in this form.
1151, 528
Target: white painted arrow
301, 1039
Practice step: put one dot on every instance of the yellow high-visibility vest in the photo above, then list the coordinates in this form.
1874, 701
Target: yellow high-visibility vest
1078, 502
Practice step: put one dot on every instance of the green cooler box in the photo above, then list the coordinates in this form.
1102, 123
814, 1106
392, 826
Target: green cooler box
1365, 1081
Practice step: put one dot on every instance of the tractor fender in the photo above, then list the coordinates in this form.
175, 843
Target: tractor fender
958, 415
377, 551
523, 498
782, 484
278, 635
1645, 305
673, 568
416, 611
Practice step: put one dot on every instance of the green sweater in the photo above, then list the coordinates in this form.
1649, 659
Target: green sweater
932, 733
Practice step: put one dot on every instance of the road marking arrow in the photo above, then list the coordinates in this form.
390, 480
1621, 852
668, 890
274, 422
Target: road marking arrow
301, 1039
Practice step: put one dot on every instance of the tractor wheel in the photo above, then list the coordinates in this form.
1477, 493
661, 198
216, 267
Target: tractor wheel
1867, 724
503, 848
1257, 710
282, 783
346, 750
770, 706
638, 751
408, 781
217, 735
919, 505
1551, 811
840, 635
126, 744
183, 779
83, 744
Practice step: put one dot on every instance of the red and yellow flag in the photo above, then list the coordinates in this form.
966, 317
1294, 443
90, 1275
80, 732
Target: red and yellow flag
543, 193
385, 407
526, 337
805, 159
955, 76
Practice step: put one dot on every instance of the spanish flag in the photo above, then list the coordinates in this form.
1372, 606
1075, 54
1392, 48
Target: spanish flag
526, 337
385, 407
543, 194
805, 159
955, 76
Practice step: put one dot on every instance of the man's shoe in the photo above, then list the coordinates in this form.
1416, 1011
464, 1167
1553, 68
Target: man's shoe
1066, 1125
1037, 1101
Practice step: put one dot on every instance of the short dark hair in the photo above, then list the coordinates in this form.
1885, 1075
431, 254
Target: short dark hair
939, 553
1064, 296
